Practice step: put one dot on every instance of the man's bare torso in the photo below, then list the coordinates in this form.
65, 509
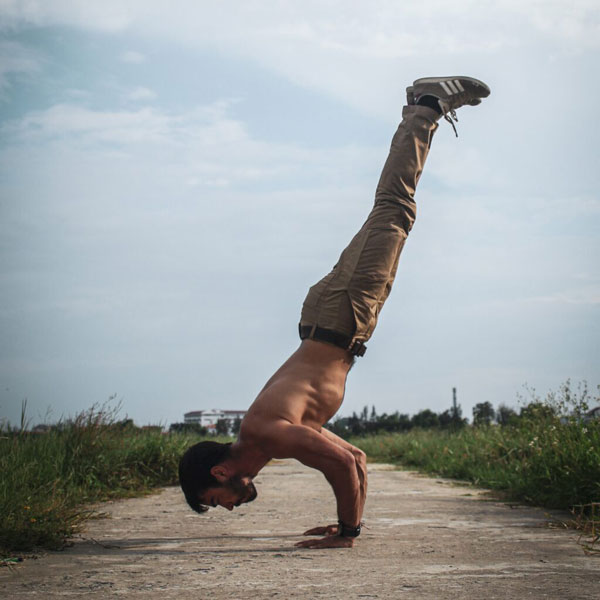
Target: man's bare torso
286, 421
307, 389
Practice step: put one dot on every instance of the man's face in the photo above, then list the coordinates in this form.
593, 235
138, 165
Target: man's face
237, 490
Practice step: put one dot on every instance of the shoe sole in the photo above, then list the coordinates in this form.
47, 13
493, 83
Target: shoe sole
471, 80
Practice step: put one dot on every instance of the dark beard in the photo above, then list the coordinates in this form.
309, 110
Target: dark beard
245, 492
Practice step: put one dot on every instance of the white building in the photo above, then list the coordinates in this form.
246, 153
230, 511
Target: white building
208, 418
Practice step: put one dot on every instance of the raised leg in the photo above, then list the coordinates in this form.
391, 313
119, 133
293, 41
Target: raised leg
347, 301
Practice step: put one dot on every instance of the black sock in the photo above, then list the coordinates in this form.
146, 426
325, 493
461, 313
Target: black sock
430, 102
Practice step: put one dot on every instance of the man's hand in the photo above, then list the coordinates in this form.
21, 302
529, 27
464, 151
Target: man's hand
327, 530
331, 541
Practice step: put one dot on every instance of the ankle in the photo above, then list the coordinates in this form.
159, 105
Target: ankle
430, 102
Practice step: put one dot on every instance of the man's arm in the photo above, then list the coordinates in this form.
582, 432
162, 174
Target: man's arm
360, 459
337, 464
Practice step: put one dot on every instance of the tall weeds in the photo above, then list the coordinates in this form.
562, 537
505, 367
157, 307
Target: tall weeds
549, 456
46, 478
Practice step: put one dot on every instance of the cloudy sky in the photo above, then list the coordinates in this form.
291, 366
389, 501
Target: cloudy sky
174, 176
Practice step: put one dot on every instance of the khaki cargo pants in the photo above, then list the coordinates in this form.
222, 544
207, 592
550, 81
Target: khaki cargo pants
344, 306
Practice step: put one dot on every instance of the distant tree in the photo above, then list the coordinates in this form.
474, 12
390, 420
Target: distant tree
505, 415
446, 419
187, 428
235, 426
456, 419
426, 419
538, 411
339, 426
222, 427
483, 414
393, 422
356, 424
402, 422
373, 414
41, 428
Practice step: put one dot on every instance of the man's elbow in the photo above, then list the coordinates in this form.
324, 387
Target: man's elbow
360, 457
344, 463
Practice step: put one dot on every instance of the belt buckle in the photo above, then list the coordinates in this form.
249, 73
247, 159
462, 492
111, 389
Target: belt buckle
357, 348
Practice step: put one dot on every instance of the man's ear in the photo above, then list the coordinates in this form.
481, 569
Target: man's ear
220, 473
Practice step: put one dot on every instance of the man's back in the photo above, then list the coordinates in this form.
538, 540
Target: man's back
307, 389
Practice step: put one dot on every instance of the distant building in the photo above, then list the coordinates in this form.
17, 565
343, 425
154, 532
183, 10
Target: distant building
592, 414
208, 418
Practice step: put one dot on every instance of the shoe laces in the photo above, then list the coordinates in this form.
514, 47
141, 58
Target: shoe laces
449, 114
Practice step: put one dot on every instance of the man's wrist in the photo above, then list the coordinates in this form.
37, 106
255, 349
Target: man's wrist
348, 530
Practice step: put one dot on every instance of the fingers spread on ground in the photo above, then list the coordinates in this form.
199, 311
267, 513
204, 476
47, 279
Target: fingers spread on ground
315, 531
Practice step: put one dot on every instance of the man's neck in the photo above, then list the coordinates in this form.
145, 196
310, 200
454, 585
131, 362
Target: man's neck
247, 458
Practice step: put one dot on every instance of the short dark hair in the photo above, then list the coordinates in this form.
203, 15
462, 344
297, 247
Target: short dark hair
194, 470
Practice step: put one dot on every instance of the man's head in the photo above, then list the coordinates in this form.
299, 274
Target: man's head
208, 478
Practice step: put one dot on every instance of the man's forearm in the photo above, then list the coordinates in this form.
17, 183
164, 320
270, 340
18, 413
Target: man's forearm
348, 489
361, 469
360, 466
350, 496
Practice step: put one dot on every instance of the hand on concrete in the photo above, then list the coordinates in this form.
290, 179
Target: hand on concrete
331, 541
326, 530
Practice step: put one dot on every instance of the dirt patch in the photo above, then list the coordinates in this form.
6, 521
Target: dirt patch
426, 538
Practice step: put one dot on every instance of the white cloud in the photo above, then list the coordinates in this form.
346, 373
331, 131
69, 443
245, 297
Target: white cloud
141, 94
586, 295
464, 164
77, 94
105, 16
202, 147
576, 22
76, 123
380, 28
355, 51
16, 60
133, 57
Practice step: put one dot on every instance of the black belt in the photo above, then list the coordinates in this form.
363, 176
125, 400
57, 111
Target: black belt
355, 348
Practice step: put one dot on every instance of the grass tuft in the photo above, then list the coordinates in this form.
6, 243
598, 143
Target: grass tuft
47, 479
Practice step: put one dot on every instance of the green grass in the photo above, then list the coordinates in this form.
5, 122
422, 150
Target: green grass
47, 479
541, 459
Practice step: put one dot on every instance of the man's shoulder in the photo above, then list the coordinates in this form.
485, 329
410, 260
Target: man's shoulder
261, 426
276, 436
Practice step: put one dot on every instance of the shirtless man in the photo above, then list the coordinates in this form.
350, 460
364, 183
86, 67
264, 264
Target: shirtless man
338, 316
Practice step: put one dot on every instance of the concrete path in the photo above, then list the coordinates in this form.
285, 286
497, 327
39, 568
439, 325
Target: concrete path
427, 538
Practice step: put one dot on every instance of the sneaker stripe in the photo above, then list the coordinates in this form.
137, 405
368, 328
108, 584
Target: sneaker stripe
446, 88
452, 87
459, 85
